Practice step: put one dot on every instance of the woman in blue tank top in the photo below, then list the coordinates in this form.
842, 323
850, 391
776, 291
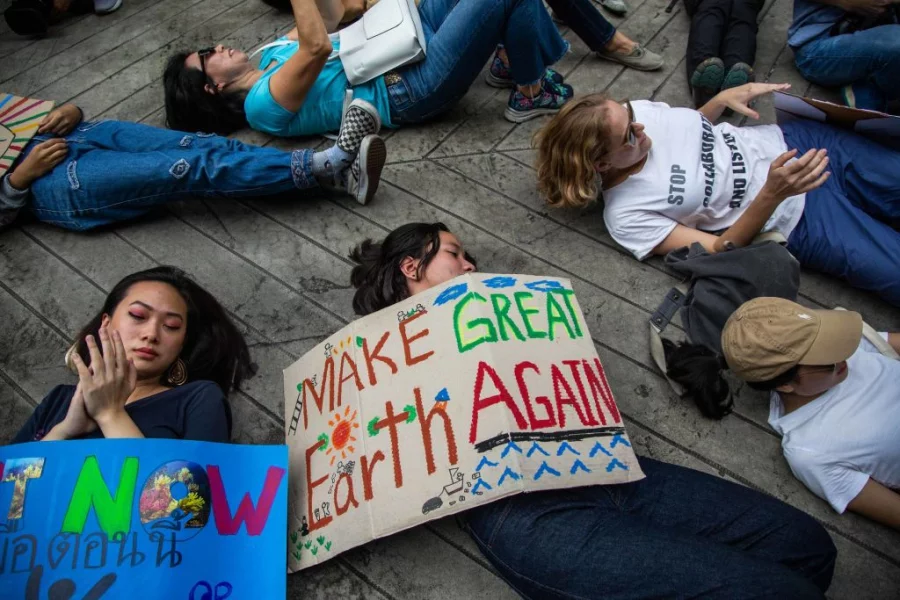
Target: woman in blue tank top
300, 86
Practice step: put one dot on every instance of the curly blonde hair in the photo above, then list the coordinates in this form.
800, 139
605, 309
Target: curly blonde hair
568, 148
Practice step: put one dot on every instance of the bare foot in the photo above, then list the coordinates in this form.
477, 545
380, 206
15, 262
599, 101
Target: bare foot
620, 44
530, 91
503, 56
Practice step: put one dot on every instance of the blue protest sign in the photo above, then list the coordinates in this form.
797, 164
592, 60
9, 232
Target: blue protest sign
103, 519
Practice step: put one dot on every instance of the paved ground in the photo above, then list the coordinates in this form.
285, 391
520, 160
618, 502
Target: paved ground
280, 267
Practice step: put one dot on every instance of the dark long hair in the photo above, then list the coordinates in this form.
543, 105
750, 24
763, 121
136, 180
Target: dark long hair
213, 348
377, 277
189, 107
700, 370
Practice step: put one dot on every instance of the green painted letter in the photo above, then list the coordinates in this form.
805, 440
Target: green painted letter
556, 316
490, 336
567, 294
113, 514
501, 306
525, 311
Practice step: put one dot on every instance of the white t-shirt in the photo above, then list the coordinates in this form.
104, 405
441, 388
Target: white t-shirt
698, 174
850, 433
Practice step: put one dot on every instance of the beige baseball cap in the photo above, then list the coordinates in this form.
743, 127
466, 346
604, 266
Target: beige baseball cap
766, 337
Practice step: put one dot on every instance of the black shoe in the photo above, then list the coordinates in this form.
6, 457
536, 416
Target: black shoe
29, 17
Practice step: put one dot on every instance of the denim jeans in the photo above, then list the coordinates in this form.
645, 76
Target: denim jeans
849, 225
586, 20
869, 59
678, 533
116, 170
461, 35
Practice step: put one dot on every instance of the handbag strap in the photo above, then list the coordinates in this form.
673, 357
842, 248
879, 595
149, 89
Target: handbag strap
278, 43
659, 320
876, 340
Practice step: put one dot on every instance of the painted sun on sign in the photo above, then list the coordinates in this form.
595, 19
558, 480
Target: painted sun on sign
342, 436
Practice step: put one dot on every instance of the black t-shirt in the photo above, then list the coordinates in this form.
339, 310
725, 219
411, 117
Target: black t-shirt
193, 411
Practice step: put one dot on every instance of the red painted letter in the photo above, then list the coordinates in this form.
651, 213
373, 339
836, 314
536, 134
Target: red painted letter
502, 395
255, 517
536, 423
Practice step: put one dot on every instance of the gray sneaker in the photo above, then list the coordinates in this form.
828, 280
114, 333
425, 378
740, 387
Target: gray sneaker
364, 174
640, 58
104, 7
615, 6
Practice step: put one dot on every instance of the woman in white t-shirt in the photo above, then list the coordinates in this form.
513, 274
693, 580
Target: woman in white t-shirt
669, 177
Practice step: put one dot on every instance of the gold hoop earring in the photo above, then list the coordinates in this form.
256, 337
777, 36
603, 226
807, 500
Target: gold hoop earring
70, 363
177, 373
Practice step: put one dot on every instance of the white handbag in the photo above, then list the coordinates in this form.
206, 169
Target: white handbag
388, 36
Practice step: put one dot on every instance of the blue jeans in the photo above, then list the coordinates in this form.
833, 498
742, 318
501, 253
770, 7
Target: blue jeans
678, 533
461, 35
586, 20
869, 59
848, 225
116, 170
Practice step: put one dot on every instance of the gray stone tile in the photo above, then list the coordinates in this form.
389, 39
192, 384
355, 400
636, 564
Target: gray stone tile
416, 564
14, 411
67, 37
280, 267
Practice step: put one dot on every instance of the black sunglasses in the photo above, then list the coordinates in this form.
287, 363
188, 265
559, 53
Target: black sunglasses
202, 54
632, 139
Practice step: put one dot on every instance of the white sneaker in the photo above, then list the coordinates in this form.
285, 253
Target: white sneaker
364, 174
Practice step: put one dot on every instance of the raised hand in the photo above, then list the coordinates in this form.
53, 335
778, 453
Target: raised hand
61, 120
738, 98
109, 381
788, 178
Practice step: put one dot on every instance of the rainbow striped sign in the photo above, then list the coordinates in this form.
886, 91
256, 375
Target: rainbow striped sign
19, 121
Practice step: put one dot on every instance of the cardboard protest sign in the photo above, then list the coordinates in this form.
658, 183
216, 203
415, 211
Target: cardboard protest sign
19, 121
878, 126
483, 387
143, 519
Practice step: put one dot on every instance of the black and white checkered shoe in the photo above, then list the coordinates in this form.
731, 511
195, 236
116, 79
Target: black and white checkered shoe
360, 120
365, 173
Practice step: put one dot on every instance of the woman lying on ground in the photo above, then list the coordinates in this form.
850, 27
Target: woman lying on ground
833, 398
83, 175
299, 90
721, 46
581, 16
669, 177
157, 361
676, 533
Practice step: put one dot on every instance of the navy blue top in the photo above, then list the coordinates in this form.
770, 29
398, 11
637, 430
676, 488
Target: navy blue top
193, 411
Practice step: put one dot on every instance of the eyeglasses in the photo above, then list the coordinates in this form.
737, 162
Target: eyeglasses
630, 139
202, 54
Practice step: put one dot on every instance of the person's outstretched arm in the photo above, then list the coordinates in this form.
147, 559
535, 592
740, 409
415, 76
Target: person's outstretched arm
878, 503
290, 85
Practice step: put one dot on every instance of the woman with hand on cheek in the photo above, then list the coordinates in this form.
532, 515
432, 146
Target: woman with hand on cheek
156, 362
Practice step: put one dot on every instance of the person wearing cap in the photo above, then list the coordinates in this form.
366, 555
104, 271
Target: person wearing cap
834, 399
